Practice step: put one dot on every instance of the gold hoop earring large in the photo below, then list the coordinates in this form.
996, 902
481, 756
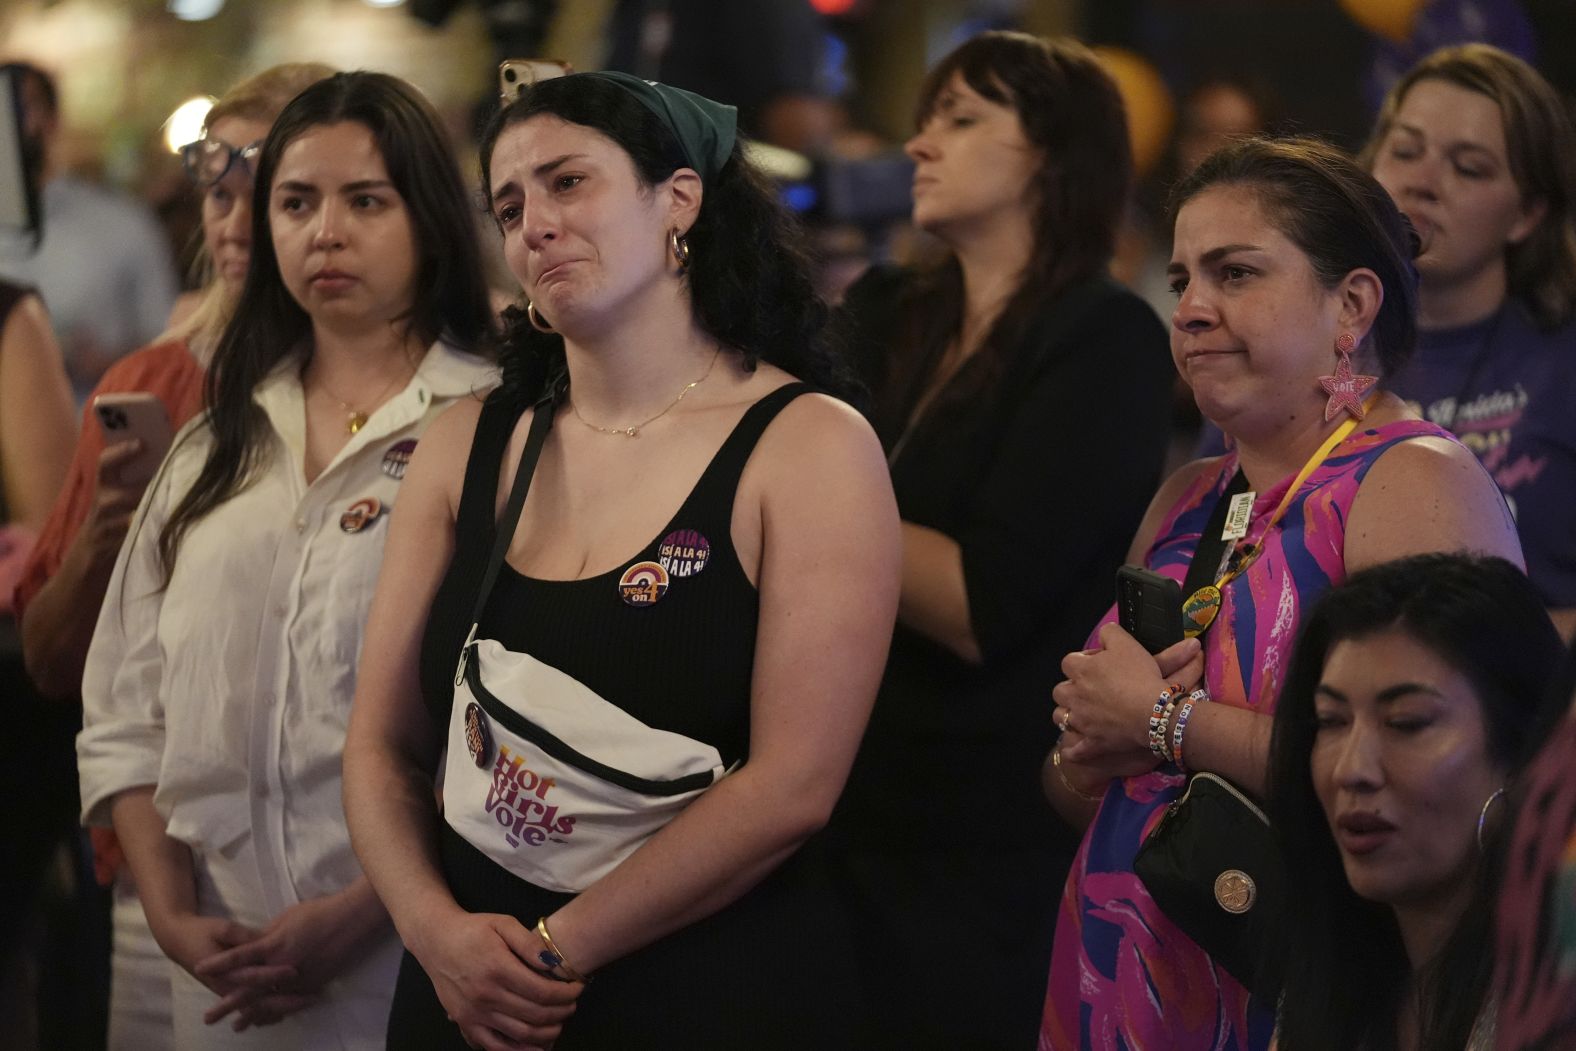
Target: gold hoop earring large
679, 246
536, 319
1482, 822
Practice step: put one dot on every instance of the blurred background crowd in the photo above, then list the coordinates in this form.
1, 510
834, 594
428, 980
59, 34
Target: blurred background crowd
833, 81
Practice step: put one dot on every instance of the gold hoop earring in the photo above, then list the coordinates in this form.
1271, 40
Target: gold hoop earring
536, 319
679, 246
1498, 794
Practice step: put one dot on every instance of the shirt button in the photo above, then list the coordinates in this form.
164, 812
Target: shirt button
300, 525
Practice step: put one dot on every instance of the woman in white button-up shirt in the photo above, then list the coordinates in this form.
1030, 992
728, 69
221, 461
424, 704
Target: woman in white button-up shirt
218, 685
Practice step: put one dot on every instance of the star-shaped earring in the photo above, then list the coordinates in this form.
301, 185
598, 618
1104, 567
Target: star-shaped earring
1345, 388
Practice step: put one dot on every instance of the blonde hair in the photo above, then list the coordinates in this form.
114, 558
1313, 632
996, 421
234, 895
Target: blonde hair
261, 98
1540, 144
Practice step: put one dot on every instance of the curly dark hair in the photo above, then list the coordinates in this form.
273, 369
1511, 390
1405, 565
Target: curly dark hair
749, 273
269, 325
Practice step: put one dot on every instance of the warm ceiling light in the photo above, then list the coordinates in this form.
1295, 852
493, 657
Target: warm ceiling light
194, 10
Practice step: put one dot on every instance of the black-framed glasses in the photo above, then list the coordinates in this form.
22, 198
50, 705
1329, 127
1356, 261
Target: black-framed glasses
209, 160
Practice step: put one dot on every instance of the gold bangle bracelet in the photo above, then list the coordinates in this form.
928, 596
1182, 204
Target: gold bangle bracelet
1056, 761
553, 958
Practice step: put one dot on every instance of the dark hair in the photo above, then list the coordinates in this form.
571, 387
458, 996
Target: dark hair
1072, 114
1345, 968
269, 325
26, 72
748, 276
1540, 145
1339, 216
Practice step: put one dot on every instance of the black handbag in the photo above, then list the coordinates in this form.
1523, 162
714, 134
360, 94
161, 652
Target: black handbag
1213, 867
1212, 863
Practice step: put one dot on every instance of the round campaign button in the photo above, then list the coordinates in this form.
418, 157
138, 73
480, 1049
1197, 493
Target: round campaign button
360, 514
643, 584
1198, 612
478, 741
397, 458
684, 552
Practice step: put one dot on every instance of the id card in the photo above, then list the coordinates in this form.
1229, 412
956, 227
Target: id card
1237, 515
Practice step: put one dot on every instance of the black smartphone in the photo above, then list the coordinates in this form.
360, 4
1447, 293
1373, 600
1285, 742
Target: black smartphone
1149, 607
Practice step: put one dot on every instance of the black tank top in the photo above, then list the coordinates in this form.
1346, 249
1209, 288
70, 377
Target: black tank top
770, 971
680, 663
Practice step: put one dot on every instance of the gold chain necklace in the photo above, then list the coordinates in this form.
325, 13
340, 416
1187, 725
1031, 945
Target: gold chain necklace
355, 419
634, 432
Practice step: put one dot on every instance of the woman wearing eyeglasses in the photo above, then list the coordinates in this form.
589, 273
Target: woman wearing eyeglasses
62, 586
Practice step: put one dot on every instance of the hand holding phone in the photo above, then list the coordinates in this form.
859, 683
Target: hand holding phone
1149, 607
139, 415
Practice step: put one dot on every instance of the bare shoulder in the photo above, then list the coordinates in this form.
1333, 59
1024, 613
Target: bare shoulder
438, 463
818, 431
27, 331
820, 461
1428, 494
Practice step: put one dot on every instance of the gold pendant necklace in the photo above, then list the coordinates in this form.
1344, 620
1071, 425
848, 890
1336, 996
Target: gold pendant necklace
355, 419
634, 431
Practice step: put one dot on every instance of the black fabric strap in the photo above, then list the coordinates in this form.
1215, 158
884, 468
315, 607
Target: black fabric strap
541, 423
1206, 558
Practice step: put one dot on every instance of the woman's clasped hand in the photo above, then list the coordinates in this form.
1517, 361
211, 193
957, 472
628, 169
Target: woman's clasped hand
477, 965
1105, 703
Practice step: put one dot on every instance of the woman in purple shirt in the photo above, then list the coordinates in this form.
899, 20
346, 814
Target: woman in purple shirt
1478, 151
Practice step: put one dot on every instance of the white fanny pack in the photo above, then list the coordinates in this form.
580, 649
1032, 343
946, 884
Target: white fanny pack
544, 776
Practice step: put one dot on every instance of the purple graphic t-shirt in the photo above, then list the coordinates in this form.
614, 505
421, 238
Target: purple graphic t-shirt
1508, 392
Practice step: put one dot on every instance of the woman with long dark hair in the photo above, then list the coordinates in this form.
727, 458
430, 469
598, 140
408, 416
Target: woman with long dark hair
218, 684
1415, 696
655, 662
62, 588
1021, 397
1480, 152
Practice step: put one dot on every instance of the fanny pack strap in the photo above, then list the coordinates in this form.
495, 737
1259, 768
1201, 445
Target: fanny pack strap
541, 423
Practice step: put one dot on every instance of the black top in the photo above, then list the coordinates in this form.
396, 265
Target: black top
1042, 480
682, 664
687, 658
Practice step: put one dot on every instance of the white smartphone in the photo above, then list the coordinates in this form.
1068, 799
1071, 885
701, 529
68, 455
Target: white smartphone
135, 414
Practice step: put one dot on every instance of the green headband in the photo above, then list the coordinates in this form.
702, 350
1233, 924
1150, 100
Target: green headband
705, 130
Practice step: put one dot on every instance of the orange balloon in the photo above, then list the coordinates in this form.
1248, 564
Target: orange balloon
1392, 19
1150, 110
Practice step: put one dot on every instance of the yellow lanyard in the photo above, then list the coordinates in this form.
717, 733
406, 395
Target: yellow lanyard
1199, 608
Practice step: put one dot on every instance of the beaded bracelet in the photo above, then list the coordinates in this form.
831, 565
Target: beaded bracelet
1195, 698
1165, 725
1158, 719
